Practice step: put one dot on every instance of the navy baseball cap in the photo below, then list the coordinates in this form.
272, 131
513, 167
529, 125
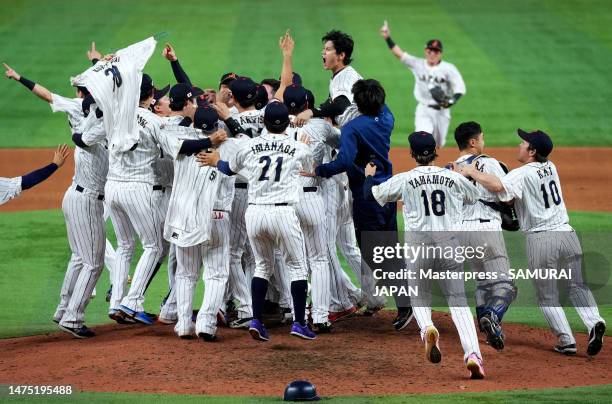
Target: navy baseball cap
422, 143
310, 98
244, 90
146, 86
181, 92
295, 98
206, 119
84, 90
159, 94
539, 140
227, 78
434, 44
261, 98
276, 117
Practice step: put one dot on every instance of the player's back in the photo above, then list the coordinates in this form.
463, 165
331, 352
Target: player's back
272, 163
138, 164
539, 201
433, 198
251, 121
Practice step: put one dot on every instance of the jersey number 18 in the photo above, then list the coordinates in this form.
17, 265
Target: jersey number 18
437, 203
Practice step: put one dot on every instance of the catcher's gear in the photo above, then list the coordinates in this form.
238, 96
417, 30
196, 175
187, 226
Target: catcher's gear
508, 214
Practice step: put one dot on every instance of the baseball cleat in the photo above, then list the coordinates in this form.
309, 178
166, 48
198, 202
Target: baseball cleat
369, 311
323, 328
341, 315
186, 336
221, 319
403, 318
286, 315
490, 326
258, 330
241, 323
474, 365
596, 338
206, 337
120, 317
432, 349
165, 320
145, 318
127, 311
302, 331
81, 332
569, 349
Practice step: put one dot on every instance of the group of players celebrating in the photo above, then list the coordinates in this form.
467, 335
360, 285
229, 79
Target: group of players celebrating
259, 187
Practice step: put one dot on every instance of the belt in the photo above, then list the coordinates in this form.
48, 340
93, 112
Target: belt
159, 188
270, 204
484, 220
310, 189
241, 185
80, 189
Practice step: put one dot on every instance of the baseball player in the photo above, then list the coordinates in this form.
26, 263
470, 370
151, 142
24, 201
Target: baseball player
482, 227
337, 52
202, 238
433, 210
438, 85
91, 165
272, 162
535, 188
11, 187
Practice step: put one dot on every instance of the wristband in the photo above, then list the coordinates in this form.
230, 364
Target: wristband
390, 42
29, 84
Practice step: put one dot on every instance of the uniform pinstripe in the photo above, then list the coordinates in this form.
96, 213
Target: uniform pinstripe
136, 208
433, 207
342, 84
9, 188
83, 211
482, 227
551, 243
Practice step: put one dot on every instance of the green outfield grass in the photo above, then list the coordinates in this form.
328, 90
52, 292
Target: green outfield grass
591, 394
527, 63
34, 252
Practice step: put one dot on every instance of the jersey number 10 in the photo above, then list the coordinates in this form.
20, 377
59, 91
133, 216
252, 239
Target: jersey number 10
554, 192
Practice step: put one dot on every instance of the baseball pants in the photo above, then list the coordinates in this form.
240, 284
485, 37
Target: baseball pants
213, 255
432, 121
84, 215
561, 249
136, 209
453, 289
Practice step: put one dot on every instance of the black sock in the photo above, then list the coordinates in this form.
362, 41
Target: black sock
159, 264
299, 291
259, 288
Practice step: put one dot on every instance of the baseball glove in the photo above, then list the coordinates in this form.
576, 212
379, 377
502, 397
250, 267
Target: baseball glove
439, 96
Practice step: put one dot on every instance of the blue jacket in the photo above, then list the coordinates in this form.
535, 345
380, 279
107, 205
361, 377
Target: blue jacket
362, 140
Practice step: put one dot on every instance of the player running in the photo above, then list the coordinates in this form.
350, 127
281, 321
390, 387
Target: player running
535, 188
433, 209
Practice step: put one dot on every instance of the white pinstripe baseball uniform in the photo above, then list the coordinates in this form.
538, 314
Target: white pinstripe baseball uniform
271, 163
444, 75
115, 86
197, 238
134, 197
311, 213
9, 188
342, 83
482, 227
83, 210
551, 243
433, 210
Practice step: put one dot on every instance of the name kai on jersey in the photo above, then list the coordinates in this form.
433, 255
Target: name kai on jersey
274, 146
431, 179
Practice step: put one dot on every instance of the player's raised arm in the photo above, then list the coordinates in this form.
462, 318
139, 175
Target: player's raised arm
37, 89
286, 45
385, 32
179, 74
